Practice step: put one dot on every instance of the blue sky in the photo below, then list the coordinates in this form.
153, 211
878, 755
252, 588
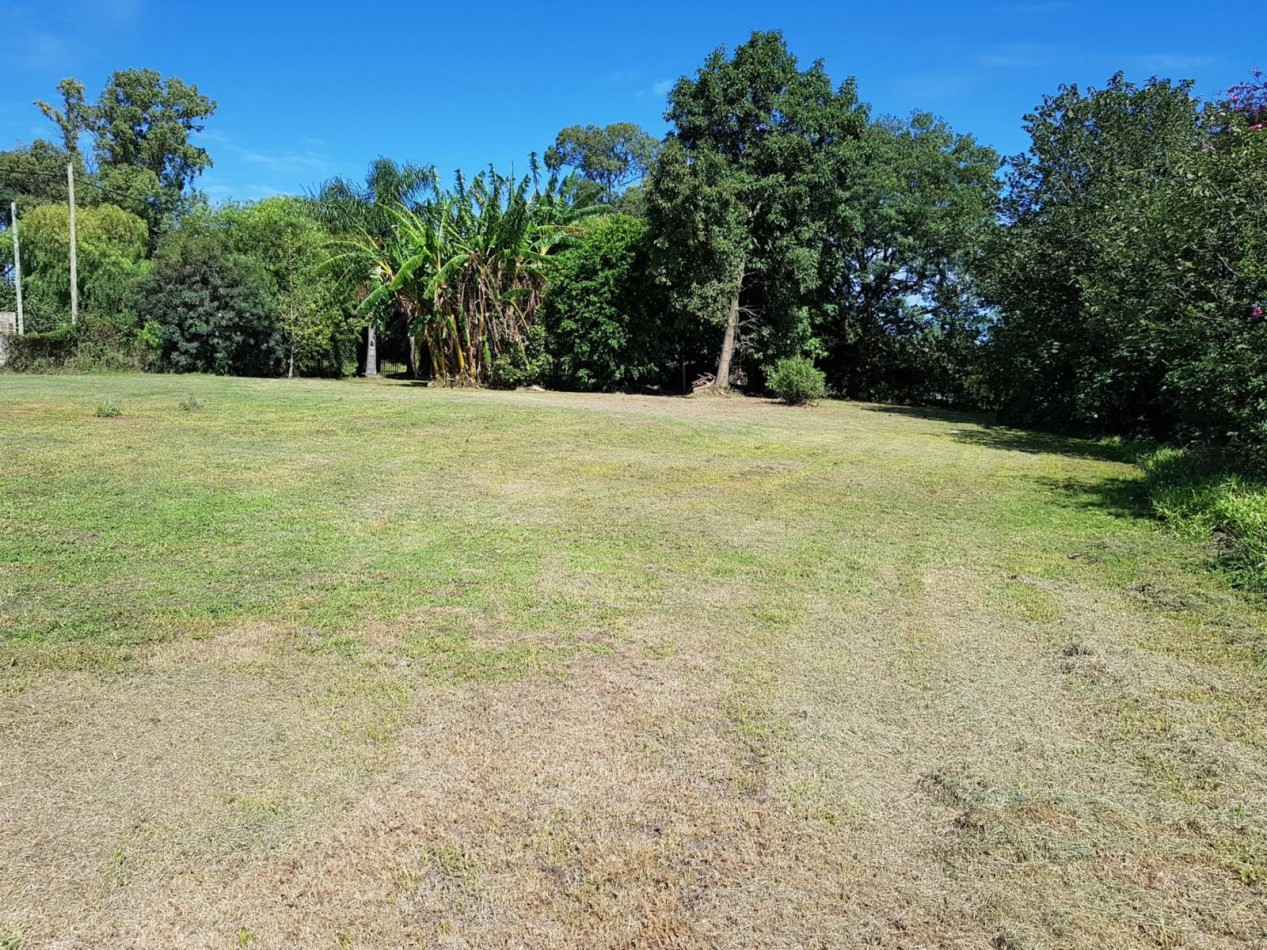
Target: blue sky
311, 89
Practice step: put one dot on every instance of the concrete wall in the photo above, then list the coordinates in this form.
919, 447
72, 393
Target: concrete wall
8, 324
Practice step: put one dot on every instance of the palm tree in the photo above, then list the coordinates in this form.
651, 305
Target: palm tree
365, 213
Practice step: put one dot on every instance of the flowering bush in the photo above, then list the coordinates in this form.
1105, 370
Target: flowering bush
1249, 100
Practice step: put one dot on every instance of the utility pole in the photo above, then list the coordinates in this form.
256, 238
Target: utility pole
17, 261
74, 257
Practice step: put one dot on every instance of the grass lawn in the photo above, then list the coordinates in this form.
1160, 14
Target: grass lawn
363, 664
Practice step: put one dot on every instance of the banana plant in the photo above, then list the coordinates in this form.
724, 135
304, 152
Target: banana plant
467, 266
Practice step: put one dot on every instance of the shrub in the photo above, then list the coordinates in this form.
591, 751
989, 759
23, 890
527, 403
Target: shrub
524, 362
96, 344
210, 310
797, 381
108, 409
604, 317
1215, 494
40, 352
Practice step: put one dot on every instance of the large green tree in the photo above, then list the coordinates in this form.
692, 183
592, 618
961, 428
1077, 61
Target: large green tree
112, 250
736, 199
612, 157
141, 126
899, 316
143, 120
1130, 268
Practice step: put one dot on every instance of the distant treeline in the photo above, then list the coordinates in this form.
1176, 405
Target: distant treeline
1111, 279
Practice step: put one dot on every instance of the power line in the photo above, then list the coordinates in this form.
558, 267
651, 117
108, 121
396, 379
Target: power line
57, 179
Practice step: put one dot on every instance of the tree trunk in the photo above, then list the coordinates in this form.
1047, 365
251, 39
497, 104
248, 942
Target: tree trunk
371, 352
722, 381
413, 356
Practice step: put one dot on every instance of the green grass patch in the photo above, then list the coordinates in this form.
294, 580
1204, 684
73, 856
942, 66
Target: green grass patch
1217, 495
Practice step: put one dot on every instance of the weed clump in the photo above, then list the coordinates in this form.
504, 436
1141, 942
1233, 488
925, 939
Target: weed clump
108, 410
192, 403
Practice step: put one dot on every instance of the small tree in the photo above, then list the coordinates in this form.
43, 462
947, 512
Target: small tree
284, 235
210, 310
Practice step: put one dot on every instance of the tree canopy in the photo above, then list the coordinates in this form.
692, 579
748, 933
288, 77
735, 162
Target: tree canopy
737, 200
613, 157
1130, 267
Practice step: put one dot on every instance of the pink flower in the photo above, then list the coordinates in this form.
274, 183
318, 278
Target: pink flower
1256, 128
1258, 311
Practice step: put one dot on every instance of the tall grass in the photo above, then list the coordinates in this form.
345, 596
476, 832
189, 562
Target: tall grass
1220, 495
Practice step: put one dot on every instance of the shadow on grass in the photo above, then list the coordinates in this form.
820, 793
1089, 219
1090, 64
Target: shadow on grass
1120, 497
984, 431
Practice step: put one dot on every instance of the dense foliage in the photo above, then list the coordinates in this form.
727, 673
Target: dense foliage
605, 321
797, 381
467, 267
319, 333
207, 309
1132, 268
112, 256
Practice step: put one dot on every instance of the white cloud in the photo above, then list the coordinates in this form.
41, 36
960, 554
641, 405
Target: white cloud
43, 50
933, 87
1169, 62
111, 11
1035, 9
286, 161
1019, 56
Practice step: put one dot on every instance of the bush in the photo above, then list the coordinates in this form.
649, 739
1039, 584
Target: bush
797, 381
40, 352
1215, 494
96, 344
210, 310
604, 316
524, 363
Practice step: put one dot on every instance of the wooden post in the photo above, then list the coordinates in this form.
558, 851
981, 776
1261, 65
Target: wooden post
74, 255
17, 262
